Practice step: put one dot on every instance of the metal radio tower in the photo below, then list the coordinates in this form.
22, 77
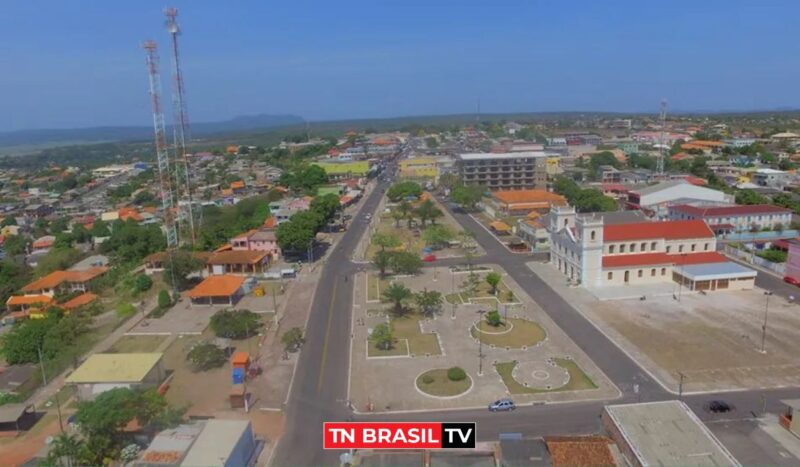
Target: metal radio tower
662, 138
164, 173
180, 124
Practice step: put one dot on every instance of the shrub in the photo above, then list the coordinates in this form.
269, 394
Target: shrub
427, 379
125, 309
456, 374
206, 356
142, 283
164, 300
292, 339
493, 318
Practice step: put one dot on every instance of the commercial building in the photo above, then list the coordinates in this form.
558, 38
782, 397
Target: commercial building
727, 219
238, 262
771, 178
655, 199
522, 202
504, 171
597, 255
104, 371
664, 433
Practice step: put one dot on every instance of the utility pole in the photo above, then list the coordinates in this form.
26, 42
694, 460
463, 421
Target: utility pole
480, 343
44, 380
764, 326
662, 139
680, 385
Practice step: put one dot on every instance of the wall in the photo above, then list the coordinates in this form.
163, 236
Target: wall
777, 268
793, 262
618, 277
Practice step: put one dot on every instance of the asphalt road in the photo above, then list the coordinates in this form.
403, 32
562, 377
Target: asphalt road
320, 386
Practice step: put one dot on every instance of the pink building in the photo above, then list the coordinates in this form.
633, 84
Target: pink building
793, 260
258, 240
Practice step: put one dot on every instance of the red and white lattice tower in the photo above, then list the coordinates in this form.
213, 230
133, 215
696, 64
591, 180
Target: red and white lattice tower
164, 173
180, 124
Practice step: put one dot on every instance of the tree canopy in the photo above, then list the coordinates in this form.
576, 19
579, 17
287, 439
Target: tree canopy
235, 324
403, 190
131, 243
467, 196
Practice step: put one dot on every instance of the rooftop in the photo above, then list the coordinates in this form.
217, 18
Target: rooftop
652, 259
237, 257
115, 368
56, 278
668, 230
501, 155
702, 211
668, 433
528, 196
712, 271
217, 286
216, 443
79, 301
577, 451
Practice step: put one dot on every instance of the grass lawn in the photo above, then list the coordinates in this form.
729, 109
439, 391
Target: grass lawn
524, 333
441, 385
409, 242
399, 348
578, 380
407, 327
484, 291
132, 344
375, 286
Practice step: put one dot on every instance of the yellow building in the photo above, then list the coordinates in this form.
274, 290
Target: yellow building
553, 165
420, 167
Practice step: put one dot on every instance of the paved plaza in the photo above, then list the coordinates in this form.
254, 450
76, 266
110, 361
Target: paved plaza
537, 359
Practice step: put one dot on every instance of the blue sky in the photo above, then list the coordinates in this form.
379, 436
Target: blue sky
79, 63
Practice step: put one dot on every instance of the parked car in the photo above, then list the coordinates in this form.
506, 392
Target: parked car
429, 258
718, 406
502, 405
791, 280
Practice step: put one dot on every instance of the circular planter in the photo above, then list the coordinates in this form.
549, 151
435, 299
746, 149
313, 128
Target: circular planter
442, 387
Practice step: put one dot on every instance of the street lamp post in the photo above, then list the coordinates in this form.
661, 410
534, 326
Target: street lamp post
764, 326
480, 342
680, 385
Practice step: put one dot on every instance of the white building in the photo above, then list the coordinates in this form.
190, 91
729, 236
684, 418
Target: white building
597, 255
771, 178
655, 198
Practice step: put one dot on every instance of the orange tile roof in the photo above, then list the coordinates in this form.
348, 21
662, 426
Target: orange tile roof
129, 213
79, 301
16, 300
271, 222
669, 230
227, 192
528, 196
237, 185
217, 286
578, 451
56, 278
497, 225
237, 257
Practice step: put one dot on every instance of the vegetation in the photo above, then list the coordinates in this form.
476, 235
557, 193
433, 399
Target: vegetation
222, 223
584, 200
467, 196
298, 234
493, 279
13, 276
164, 300
428, 211
177, 268
382, 336
142, 283
102, 421
437, 383
235, 324
293, 339
56, 259
385, 240
304, 179
521, 333
775, 255
404, 190
578, 380
456, 374
493, 318
429, 302
130, 242
750, 197
397, 294
438, 236
50, 335
205, 356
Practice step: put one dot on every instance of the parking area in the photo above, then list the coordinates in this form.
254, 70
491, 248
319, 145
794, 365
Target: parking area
713, 340
527, 357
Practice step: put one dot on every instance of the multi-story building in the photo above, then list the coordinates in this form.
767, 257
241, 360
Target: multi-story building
504, 171
771, 178
726, 219
598, 255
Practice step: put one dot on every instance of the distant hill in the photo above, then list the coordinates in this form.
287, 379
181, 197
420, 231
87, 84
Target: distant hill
131, 133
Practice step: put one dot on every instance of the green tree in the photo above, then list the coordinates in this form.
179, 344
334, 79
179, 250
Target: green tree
592, 200
428, 211
15, 245
100, 229
467, 196
382, 260
567, 188
13, 275
177, 268
292, 339
235, 324
431, 142
205, 356
750, 197
398, 216
385, 240
142, 283
429, 302
79, 233
493, 279
295, 236
67, 451
10, 220
438, 236
449, 181
406, 210
403, 190
131, 243
405, 262
382, 336
56, 259
397, 294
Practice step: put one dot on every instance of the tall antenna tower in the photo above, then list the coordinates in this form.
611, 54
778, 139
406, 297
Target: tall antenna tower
662, 138
180, 124
164, 173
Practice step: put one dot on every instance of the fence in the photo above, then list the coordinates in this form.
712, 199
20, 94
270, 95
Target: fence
750, 257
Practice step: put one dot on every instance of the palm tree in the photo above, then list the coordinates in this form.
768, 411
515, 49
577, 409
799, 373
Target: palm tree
396, 294
67, 451
429, 302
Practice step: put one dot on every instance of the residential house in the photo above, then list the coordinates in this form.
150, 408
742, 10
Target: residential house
258, 240
217, 290
104, 371
64, 282
238, 262
522, 202
772, 178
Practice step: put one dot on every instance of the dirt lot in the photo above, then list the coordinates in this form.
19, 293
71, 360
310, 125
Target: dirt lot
714, 340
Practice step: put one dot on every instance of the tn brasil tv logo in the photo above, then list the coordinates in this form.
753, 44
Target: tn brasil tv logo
400, 435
